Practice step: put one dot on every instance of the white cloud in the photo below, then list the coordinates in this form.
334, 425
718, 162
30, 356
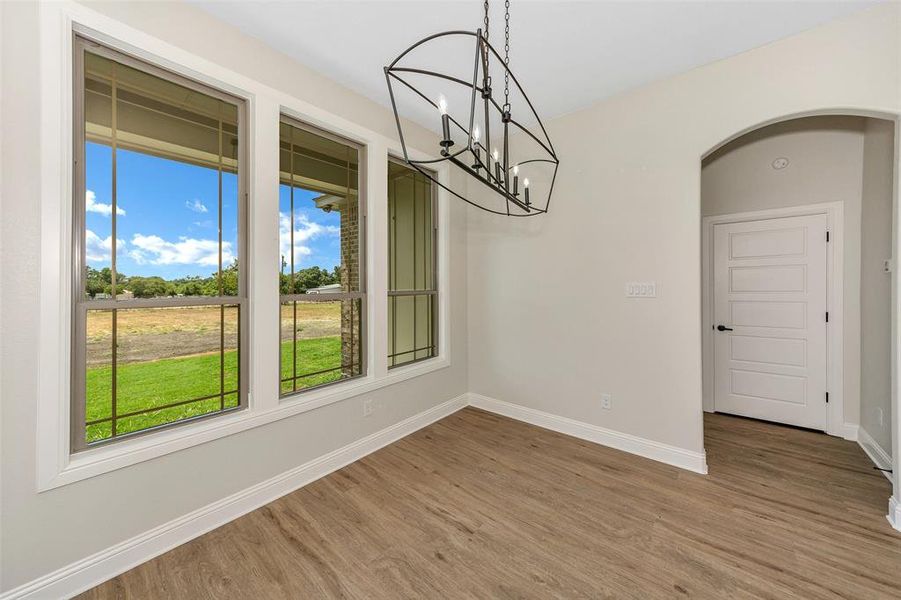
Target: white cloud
91, 205
186, 251
98, 249
304, 231
196, 205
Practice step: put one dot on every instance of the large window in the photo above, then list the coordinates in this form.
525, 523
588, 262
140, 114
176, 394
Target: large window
412, 278
321, 224
159, 292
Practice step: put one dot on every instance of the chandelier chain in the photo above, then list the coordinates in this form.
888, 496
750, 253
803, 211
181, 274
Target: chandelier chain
485, 49
507, 54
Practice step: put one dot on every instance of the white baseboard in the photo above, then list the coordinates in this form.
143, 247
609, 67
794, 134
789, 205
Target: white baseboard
671, 455
93, 570
894, 513
849, 431
879, 456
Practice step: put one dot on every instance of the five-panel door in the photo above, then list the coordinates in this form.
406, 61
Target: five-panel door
770, 319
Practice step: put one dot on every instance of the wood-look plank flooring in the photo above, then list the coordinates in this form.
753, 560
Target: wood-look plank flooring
480, 506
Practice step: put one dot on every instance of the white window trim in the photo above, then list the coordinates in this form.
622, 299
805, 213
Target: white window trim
56, 466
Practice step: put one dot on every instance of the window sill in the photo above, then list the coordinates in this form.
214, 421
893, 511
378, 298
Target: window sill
91, 463
316, 398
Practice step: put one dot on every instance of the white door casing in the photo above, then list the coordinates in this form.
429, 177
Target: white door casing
769, 288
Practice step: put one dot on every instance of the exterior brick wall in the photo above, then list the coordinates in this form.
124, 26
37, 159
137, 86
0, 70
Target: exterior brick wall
350, 282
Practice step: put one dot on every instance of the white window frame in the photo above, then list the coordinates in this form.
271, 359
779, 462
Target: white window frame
82, 307
56, 465
360, 293
435, 275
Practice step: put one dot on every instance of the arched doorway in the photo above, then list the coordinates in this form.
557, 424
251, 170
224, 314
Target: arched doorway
769, 188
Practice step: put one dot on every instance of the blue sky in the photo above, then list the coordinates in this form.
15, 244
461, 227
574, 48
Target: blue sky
167, 217
317, 239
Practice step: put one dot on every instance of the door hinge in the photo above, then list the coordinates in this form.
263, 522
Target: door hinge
827, 316
827, 235
827, 397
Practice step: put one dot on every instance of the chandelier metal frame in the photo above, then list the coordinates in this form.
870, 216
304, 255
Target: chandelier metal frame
473, 158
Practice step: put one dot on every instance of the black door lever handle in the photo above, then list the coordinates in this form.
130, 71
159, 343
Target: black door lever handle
723, 328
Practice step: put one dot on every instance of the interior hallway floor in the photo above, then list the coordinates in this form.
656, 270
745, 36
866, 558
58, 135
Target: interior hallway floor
478, 505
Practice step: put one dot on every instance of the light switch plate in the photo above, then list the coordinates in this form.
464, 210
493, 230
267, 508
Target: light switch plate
641, 289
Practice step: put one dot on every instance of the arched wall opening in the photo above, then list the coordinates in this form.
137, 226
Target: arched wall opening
841, 163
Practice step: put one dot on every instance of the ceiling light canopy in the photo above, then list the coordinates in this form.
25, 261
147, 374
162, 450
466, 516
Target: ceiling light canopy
496, 140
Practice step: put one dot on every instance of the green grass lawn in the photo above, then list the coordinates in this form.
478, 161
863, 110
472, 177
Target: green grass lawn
144, 385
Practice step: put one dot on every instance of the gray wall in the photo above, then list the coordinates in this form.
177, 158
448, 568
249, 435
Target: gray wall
42, 532
825, 165
825, 154
875, 284
835, 158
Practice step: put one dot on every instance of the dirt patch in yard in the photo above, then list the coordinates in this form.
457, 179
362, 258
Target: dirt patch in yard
146, 334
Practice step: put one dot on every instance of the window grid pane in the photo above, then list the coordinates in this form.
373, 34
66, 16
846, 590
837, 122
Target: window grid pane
158, 231
412, 284
318, 345
321, 277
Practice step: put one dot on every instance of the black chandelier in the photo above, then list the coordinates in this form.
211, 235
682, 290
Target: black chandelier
518, 166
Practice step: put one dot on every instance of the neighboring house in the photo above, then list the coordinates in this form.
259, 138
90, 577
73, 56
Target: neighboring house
332, 288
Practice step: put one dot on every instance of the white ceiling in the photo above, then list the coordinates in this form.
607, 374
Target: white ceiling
566, 55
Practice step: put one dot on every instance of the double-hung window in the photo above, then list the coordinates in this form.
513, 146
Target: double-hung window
321, 282
412, 266
159, 292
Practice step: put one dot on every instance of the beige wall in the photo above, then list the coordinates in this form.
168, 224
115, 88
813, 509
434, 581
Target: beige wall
549, 326
42, 532
826, 164
875, 283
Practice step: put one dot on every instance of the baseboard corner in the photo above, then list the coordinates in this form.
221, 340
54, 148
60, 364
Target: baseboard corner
850, 431
671, 455
702, 465
894, 513
874, 451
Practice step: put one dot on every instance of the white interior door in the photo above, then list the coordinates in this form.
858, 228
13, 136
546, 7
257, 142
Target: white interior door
770, 319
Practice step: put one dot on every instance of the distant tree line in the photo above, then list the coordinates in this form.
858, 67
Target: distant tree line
100, 281
309, 278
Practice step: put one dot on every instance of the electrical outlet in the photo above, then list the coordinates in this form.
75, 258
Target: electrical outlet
367, 407
606, 401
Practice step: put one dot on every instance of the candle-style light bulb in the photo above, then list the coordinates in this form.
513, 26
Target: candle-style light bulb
446, 140
475, 148
525, 185
516, 180
497, 166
